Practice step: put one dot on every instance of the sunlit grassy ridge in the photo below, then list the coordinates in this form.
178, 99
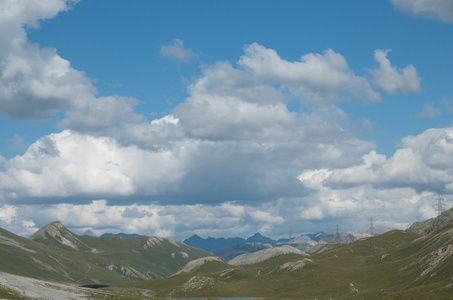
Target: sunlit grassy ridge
59, 255
395, 265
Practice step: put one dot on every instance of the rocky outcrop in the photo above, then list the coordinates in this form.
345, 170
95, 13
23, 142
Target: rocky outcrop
430, 225
257, 257
197, 263
295, 265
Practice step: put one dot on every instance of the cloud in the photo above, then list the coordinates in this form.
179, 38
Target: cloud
151, 219
102, 115
429, 111
316, 77
233, 139
7, 214
37, 84
177, 51
225, 161
442, 9
410, 180
390, 78
68, 164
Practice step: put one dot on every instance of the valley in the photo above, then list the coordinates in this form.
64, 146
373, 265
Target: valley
54, 263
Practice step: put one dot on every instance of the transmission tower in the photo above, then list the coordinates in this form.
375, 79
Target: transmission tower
337, 236
371, 229
440, 205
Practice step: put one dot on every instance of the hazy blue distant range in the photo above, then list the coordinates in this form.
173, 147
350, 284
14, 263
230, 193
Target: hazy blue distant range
229, 248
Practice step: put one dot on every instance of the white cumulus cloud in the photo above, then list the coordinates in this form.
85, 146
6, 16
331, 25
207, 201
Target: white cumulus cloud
377, 187
390, 78
224, 161
316, 77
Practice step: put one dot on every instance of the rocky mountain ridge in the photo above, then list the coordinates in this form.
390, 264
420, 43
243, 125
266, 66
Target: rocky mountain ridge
265, 254
56, 253
229, 248
395, 265
430, 225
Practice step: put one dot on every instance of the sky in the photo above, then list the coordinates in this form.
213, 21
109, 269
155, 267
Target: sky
224, 118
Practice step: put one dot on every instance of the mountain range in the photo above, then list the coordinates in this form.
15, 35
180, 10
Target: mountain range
411, 264
56, 253
394, 265
229, 248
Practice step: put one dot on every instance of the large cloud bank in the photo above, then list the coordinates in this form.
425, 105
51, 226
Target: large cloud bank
231, 158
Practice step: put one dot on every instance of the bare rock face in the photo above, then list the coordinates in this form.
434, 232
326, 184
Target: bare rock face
353, 289
295, 265
197, 263
256, 257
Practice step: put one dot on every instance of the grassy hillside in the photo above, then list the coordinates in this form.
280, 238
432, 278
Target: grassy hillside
395, 265
7, 294
55, 253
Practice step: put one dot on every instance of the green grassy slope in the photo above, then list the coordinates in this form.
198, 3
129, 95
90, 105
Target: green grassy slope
57, 254
10, 295
395, 265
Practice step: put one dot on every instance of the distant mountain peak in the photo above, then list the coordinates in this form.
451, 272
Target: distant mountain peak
89, 233
53, 229
56, 231
259, 238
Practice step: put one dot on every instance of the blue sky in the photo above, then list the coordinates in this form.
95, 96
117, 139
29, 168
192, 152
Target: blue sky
224, 118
